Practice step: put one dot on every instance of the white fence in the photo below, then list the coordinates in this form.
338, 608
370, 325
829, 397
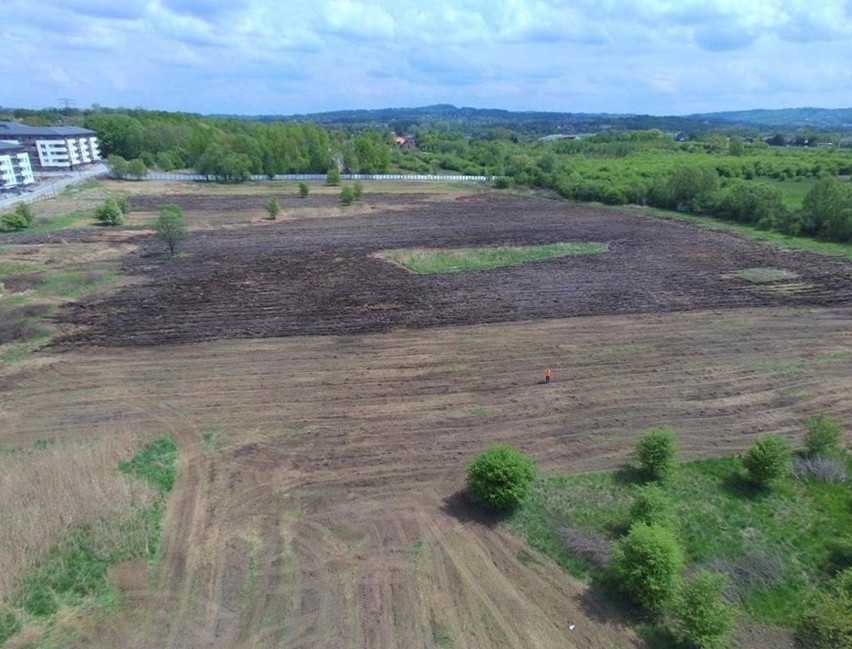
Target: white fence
263, 178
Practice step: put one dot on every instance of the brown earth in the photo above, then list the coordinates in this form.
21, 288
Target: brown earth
319, 498
319, 275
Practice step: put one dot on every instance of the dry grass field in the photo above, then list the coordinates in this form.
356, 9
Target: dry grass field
325, 404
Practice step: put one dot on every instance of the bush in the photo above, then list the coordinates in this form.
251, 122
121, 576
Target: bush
347, 196
332, 178
646, 565
273, 207
358, 190
652, 506
499, 478
304, 190
13, 222
501, 183
823, 435
827, 622
123, 204
110, 213
700, 617
767, 460
655, 451
25, 213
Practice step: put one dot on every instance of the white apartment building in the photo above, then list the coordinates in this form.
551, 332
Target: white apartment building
15, 169
53, 148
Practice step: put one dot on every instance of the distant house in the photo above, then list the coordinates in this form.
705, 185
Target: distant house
681, 137
405, 142
53, 148
15, 169
558, 136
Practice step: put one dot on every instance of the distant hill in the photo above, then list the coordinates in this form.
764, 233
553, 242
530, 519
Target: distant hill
786, 118
536, 123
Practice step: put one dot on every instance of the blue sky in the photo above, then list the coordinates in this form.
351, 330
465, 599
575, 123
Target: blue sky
282, 57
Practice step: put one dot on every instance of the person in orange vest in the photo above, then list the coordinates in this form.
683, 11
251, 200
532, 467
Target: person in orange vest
547, 374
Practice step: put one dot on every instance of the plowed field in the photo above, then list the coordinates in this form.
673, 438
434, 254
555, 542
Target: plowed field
319, 497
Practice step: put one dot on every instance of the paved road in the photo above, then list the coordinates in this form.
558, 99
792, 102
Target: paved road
50, 185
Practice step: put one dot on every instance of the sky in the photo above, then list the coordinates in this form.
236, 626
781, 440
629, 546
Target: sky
252, 57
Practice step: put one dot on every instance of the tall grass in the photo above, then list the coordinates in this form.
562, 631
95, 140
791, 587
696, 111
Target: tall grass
45, 492
458, 260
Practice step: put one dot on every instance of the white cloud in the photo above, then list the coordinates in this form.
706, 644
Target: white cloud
359, 21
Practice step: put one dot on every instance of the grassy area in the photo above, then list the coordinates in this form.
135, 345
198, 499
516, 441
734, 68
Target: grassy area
765, 275
74, 571
775, 238
774, 544
458, 260
793, 192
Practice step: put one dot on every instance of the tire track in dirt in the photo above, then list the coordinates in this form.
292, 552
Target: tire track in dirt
323, 512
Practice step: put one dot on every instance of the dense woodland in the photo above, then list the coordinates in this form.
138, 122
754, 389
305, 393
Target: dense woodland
732, 171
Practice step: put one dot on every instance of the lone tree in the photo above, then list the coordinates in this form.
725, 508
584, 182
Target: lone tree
358, 190
332, 178
655, 451
347, 196
170, 226
499, 478
273, 207
303, 190
767, 460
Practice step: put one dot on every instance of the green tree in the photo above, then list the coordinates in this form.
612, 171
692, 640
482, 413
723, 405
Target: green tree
700, 617
646, 565
655, 452
652, 505
500, 477
823, 436
19, 219
110, 213
828, 209
332, 178
304, 190
347, 196
767, 460
358, 190
170, 226
117, 166
137, 169
273, 207
25, 213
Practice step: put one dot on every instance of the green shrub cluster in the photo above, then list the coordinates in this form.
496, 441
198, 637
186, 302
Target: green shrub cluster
113, 211
500, 477
19, 219
827, 621
823, 436
700, 618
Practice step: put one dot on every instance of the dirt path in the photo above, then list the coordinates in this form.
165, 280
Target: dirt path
318, 499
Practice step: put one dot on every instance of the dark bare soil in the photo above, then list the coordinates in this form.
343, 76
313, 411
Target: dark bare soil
317, 275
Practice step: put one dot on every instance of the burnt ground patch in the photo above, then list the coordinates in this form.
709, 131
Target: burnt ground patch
317, 275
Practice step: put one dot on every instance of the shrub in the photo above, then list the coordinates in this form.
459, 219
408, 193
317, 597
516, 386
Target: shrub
273, 207
347, 196
25, 213
12, 222
499, 478
110, 213
700, 617
646, 565
767, 459
655, 451
827, 621
501, 183
652, 506
358, 190
332, 178
823, 435
123, 204
304, 190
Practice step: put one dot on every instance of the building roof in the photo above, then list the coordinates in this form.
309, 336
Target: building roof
12, 129
9, 147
